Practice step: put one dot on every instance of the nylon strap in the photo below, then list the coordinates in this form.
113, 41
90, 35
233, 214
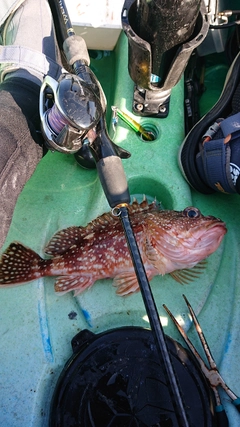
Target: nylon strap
213, 159
23, 57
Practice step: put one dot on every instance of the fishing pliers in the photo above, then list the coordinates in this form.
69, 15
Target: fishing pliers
212, 374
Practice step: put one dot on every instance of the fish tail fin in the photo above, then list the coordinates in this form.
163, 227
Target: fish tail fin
20, 264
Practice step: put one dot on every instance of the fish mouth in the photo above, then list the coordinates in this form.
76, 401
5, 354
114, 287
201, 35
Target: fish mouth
217, 227
205, 240
215, 231
213, 224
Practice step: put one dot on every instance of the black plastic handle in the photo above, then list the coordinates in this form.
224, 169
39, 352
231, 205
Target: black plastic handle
109, 165
236, 403
113, 180
222, 420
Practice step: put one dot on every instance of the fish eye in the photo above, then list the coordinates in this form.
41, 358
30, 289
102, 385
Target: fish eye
192, 212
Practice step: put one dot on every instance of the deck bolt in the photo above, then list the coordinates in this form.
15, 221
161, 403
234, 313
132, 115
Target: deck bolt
162, 109
139, 107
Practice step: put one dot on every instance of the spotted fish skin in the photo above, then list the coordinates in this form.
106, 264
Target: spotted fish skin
169, 242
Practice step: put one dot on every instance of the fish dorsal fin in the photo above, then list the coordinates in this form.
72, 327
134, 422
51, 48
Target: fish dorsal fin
189, 274
66, 238
126, 283
144, 206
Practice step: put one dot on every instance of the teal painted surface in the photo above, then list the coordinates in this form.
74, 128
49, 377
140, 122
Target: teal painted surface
36, 324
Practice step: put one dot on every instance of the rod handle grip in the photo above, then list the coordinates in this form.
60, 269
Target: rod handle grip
75, 49
113, 180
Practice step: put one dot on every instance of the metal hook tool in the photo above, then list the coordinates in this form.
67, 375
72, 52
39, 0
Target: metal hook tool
212, 374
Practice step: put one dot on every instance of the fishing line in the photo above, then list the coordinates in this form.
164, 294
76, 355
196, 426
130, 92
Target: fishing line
56, 120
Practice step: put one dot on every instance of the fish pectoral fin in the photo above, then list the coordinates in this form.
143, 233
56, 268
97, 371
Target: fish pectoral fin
78, 284
126, 283
154, 257
189, 274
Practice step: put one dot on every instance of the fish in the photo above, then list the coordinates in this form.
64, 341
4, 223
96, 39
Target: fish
170, 242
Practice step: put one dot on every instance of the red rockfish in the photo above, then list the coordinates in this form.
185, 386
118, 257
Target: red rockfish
169, 242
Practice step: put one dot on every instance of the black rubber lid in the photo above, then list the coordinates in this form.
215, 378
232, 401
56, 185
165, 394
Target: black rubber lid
115, 379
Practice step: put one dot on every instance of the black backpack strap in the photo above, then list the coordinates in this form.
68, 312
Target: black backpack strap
213, 159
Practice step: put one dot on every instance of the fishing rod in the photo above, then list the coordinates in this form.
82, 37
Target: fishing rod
57, 124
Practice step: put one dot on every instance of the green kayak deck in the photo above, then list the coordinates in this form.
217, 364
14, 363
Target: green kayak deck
36, 325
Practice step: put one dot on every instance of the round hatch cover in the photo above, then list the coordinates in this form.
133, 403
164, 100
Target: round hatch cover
116, 379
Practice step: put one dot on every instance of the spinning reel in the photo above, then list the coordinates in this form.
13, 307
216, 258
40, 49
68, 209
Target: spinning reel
69, 109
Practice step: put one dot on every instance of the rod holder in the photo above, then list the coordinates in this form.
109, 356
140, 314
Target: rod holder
161, 38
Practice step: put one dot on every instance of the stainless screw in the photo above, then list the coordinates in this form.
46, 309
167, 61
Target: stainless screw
139, 107
162, 109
